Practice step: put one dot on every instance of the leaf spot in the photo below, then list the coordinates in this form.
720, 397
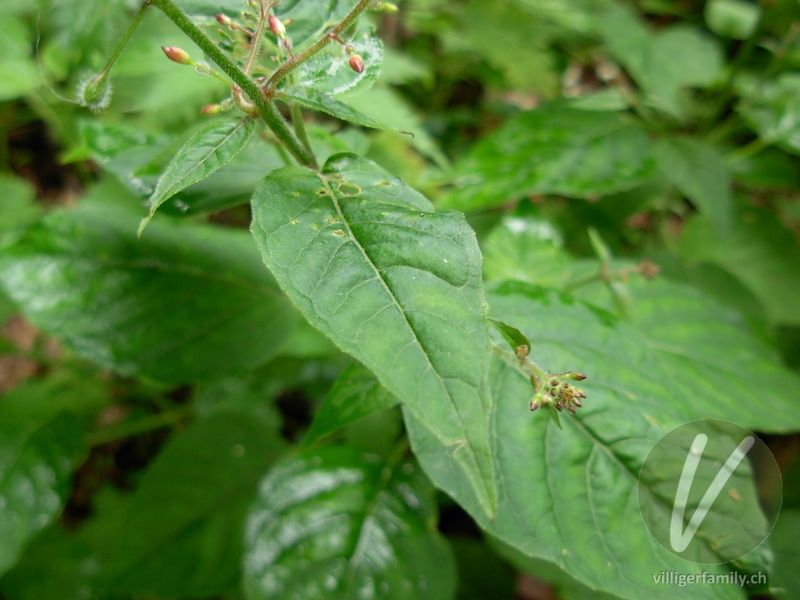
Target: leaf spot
348, 189
339, 233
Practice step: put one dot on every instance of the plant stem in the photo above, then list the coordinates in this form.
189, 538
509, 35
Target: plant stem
143, 425
298, 59
299, 125
745, 152
271, 115
258, 36
136, 21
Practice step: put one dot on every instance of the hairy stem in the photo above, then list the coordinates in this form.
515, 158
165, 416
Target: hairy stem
266, 108
136, 22
255, 45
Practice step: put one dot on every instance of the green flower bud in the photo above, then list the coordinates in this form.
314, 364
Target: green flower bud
387, 7
211, 109
95, 92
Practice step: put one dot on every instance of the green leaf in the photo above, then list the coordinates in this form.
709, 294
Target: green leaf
37, 455
525, 249
698, 171
515, 338
786, 574
760, 252
735, 19
342, 524
386, 105
394, 284
231, 185
553, 150
566, 587
329, 71
310, 18
183, 531
715, 358
355, 395
570, 497
57, 564
210, 8
772, 109
523, 57
123, 151
204, 153
185, 303
328, 104
663, 63
18, 208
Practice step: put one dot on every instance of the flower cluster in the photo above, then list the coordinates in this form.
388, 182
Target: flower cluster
558, 392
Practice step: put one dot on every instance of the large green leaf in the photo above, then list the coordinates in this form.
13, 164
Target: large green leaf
342, 524
553, 150
355, 395
712, 355
185, 303
707, 347
207, 151
570, 496
393, 283
183, 533
37, 454
698, 171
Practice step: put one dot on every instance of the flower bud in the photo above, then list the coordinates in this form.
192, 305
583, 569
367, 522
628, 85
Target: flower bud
356, 63
177, 55
95, 92
277, 27
211, 109
387, 7
223, 20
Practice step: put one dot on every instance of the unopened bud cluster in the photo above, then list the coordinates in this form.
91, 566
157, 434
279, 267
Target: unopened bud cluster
560, 393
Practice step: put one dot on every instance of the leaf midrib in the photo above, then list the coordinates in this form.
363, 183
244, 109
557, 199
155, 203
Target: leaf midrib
379, 276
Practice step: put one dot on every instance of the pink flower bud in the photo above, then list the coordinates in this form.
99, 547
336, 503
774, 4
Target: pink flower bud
277, 27
223, 20
177, 55
356, 63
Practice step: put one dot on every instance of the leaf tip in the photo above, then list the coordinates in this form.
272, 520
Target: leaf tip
142, 224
